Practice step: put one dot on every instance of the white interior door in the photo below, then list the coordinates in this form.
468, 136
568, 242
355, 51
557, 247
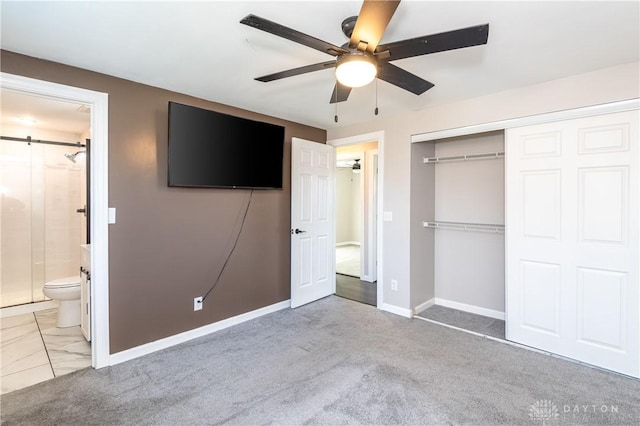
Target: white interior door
572, 193
312, 221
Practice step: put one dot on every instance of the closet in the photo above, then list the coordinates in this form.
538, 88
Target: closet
539, 225
465, 223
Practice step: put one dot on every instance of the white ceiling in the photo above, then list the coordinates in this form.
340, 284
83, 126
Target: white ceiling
201, 49
22, 110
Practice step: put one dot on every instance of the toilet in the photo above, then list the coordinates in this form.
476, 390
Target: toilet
67, 292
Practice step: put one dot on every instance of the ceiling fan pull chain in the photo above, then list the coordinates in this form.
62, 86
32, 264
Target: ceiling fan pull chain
335, 117
376, 110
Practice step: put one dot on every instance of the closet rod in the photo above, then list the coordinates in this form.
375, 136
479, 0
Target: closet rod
29, 140
484, 156
465, 226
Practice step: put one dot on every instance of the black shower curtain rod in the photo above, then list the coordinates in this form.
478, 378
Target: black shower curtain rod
29, 140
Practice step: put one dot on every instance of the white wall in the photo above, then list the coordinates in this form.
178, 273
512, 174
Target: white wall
602, 86
21, 131
348, 222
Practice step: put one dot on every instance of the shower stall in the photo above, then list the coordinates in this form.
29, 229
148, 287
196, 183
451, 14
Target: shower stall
42, 215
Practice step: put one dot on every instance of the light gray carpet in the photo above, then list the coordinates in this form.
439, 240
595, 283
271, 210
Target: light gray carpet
477, 323
334, 361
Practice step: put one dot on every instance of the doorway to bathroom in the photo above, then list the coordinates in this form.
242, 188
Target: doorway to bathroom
98, 227
43, 228
43, 179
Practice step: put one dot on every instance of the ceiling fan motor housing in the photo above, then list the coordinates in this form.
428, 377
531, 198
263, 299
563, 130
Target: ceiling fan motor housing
348, 25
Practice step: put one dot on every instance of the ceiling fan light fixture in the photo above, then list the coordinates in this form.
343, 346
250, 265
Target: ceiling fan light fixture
356, 166
356, 69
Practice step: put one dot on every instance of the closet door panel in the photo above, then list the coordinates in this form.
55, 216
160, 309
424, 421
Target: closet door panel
603, 205
540, 299
541, 145
541, 197
572, 235
602, 310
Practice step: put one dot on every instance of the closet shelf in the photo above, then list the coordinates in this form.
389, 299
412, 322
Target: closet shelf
484, 156
465, 226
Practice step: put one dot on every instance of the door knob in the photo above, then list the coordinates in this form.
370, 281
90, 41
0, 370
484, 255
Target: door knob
299, 231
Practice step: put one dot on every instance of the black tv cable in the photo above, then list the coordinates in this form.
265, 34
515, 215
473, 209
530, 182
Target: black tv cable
244, 218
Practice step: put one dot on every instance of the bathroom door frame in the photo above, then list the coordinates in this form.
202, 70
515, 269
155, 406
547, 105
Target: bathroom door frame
99, 190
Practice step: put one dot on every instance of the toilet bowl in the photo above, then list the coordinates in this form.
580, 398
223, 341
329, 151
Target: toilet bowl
67, 292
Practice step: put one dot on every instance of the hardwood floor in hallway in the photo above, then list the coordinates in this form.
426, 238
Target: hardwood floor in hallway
355, 289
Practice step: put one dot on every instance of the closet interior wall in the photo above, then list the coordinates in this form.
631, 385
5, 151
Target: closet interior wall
460, 269
422, 239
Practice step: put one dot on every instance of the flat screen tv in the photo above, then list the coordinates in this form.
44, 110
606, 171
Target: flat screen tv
211, 149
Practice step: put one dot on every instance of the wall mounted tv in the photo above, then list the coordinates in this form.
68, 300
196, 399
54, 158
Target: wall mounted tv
211, 149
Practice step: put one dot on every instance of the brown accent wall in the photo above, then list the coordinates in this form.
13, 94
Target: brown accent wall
169, 244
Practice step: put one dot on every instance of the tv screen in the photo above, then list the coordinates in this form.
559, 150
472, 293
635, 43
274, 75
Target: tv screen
211, 149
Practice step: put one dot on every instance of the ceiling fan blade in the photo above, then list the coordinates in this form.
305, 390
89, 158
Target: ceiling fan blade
293, 35
340, 93
372, 21
450, 40
297, 71
403, 79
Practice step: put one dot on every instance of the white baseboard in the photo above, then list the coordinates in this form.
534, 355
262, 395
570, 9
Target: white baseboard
395, 310
348, 243
167, 342
367, 278
11, 311
470, 308
421, 307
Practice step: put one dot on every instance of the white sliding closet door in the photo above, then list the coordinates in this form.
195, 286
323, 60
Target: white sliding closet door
572, 236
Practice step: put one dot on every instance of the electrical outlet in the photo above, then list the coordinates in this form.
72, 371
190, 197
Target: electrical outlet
197, 303
394, 285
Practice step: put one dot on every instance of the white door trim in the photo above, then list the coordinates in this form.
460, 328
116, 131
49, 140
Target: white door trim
99, 103
372, 213
364, 138
549, 117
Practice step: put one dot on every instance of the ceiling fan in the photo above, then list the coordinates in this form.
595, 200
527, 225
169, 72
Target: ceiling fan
362, 59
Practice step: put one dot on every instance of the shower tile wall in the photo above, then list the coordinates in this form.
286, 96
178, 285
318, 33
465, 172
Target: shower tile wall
15, 223
62, 224
40, 230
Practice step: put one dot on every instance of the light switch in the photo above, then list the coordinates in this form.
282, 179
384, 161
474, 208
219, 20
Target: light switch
387, 216
112, 215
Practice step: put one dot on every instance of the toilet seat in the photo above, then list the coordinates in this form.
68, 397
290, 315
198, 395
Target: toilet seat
66, 282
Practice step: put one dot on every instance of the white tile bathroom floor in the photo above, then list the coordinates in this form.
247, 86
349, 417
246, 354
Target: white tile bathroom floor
33, 349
